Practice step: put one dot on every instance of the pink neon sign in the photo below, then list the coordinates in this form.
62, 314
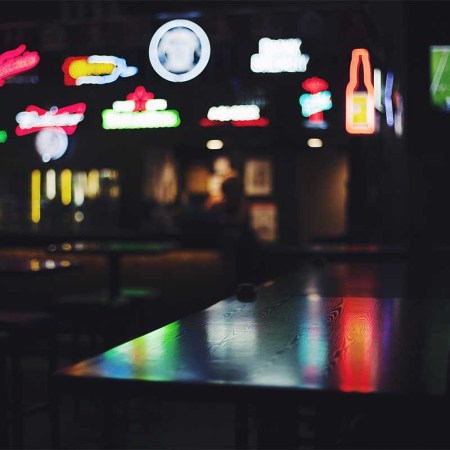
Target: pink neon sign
16, 61
34, 119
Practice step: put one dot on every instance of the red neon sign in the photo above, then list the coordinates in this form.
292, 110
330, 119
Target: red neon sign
140, 97
261, 122
68, 79
34, 119
16, 61
360, 103
315, 85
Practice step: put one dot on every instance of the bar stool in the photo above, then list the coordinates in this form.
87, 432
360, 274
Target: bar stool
92, 315
143, 300
24, 329
110, 322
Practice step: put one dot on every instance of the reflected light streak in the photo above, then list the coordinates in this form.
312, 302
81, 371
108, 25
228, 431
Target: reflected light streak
359, 335
313, 345
34, 265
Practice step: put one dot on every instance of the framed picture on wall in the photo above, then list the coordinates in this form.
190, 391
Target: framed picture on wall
258, 177
264, 220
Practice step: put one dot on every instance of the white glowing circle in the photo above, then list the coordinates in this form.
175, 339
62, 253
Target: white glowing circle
315, 143
51, 143
214, 144
179, 50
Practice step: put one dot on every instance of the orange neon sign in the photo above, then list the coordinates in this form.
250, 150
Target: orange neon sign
359, 100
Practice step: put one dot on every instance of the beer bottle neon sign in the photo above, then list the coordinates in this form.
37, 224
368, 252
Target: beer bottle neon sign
360, 103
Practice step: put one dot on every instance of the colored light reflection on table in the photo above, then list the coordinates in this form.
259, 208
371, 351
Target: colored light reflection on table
156, 353
313, 346
359, 334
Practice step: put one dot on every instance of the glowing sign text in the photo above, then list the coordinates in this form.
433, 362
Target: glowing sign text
279, 55
16, 61
238, 115
140, 110
95, 69
33, 119
235, 112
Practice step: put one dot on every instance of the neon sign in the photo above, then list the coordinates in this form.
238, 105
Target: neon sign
377, 90
388, 99
314, 103
179, 50
95, 69
238, 115
398, 115
279, 55
140, 110
51, 143
16, 61
34, 119
360, 104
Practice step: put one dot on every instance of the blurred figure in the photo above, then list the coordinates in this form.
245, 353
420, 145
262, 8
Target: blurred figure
243, 253
225, 225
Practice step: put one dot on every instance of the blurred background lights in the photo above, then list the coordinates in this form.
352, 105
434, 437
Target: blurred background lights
214, 144
314, 142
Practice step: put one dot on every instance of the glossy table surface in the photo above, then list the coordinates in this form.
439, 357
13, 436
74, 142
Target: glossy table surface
336, 328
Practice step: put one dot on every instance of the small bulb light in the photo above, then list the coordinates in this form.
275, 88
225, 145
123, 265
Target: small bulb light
214, 144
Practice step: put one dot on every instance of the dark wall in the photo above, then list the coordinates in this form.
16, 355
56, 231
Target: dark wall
427, 128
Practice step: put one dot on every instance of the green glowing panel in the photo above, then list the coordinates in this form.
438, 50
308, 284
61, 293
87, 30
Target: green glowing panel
3, 136
440, 76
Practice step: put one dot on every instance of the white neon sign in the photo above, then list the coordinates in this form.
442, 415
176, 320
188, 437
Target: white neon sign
33, 119
140, 110
179, 50
235, 112
279, 55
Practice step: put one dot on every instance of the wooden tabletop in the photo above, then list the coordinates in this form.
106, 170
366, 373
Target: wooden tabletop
321, 330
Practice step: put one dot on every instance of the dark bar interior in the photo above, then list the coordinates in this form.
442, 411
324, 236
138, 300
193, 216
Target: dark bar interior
224, 224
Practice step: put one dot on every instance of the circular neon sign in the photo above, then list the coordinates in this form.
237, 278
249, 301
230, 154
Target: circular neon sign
179, 50
51, 143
